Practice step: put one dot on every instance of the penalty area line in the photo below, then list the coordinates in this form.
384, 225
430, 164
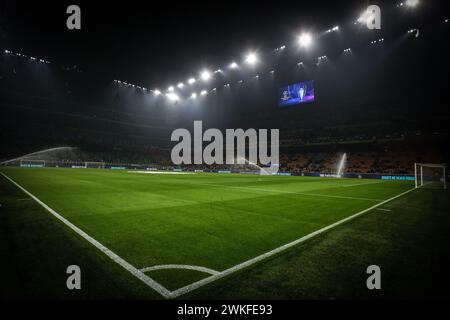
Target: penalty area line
250, 189
113, 256
205, 281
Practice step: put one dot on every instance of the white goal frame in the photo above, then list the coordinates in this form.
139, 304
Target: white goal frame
418, 172
95, 163
43, 162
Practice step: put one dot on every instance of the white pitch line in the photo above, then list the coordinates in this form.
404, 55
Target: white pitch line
180, 266
183, 290
161, 172
127, 266
287, 192
200, 283
381, 209
360, 184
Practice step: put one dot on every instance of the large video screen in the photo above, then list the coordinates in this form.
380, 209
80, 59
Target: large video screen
302, 92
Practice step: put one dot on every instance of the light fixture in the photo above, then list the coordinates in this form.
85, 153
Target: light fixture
305, 40
251, 58
172, 96
191, 81
412, 3
205, 75
233, 65
336, 28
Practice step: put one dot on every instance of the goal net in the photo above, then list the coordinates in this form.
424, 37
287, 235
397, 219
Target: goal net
95, 165
430, 175
32, 163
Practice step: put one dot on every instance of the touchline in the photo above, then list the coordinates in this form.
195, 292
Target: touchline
189, 150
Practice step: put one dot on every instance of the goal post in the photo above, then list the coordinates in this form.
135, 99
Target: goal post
95, 165
430, 175
30, 163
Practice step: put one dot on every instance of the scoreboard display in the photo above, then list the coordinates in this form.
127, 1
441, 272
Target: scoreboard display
297, 93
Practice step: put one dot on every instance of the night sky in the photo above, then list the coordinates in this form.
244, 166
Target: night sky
158, 42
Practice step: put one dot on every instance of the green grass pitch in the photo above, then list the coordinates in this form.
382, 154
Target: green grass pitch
215, 221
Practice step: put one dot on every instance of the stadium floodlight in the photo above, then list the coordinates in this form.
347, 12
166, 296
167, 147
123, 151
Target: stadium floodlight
412, 3
218, 71
272, 71
205, 75
233, 65
347, 50
251, 58
305, 39
172, 96
203, 92
170, 89
414, 31
193, 95
191, 81
157, 92
7, 51
336, 28
180, 85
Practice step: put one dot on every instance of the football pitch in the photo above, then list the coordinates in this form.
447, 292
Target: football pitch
178, 232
